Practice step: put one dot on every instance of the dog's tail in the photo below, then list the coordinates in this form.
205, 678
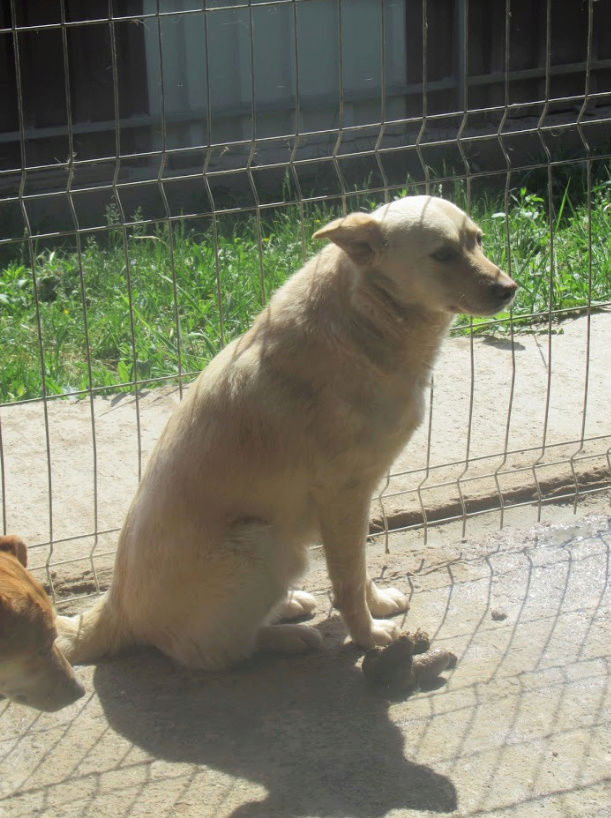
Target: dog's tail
92, 635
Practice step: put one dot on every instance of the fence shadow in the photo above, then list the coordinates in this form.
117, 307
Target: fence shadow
305, 728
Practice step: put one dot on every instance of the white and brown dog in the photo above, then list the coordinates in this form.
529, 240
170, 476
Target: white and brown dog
33, 670
281, 441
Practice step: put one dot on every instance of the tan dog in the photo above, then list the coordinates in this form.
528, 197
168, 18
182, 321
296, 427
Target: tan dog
33, 670
283, 438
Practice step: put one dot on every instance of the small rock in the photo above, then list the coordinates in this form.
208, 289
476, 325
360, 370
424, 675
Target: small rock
498, 615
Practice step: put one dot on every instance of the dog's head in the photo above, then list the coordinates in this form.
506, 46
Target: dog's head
426, 252
33, 670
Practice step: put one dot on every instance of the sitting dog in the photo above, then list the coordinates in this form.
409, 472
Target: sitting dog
281, 441
33, 670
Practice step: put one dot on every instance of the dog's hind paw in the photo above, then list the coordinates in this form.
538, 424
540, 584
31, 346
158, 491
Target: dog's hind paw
288, 638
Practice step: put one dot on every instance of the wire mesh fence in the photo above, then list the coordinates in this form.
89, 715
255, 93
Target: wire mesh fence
164, 167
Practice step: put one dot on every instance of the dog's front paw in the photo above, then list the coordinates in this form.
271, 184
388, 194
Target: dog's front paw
386, 602
382, 633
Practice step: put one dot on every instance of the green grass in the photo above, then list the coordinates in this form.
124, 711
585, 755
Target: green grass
136, 266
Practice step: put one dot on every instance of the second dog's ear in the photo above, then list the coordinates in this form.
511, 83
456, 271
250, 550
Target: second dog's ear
15, 546
357, 234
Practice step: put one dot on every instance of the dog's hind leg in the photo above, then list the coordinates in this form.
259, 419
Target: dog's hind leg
232, 635
228, 603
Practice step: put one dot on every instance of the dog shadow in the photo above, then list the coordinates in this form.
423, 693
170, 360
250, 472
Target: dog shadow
306, 728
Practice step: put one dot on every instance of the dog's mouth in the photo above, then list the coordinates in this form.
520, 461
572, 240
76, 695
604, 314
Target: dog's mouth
480, 312
501, 305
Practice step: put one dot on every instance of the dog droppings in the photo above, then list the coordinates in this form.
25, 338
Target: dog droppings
406, 664
429, 665
498, 615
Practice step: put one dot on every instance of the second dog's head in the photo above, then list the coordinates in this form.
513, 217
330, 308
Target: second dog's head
427, 252
33, 670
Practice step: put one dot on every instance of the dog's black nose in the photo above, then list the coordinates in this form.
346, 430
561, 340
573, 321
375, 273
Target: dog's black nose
504, 291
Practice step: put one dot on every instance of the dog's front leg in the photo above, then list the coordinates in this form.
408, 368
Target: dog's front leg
343, 519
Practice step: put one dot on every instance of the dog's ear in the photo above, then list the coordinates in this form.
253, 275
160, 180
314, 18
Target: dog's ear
15, 546
357, 234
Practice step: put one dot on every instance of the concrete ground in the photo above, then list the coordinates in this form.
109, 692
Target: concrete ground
519, 729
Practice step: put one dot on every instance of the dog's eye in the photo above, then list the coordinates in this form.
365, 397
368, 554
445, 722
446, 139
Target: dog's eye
480, 239
444, 254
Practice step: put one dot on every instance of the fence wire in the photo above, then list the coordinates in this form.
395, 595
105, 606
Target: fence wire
142, 171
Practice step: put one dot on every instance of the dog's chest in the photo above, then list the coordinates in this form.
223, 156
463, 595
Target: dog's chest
371, 423
391, 418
